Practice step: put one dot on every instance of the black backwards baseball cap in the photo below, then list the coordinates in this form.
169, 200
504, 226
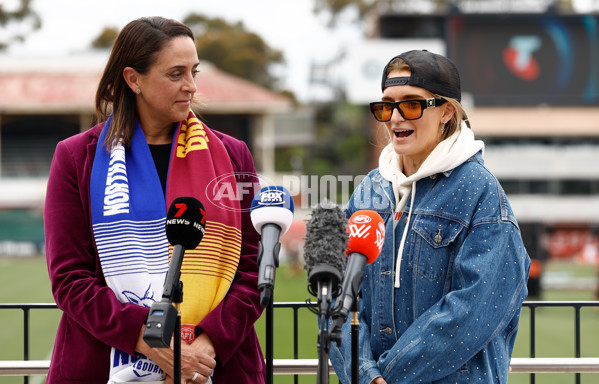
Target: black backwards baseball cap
430, 71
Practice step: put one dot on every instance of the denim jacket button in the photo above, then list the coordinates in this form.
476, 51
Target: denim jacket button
387, 330
438, 237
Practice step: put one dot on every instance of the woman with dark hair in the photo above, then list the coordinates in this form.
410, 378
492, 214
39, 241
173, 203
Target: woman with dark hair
105, 211
441, 303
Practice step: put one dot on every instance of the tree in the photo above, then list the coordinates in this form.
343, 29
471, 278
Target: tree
342, 144
21, 21
336, 7
230, 47
106, 38
364, 7
234, 49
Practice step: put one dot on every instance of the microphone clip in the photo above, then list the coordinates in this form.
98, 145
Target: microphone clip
324, 282
162, 319
164, 316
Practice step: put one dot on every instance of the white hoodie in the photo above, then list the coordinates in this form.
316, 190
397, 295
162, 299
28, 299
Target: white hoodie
447, 155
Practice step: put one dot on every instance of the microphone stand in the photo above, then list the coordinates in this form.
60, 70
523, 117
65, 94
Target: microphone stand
266, 282
326, 278
177, 300
339, 318
323, 344
355, 340
269, 342
164, 319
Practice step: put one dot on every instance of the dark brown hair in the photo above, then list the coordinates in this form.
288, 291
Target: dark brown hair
137, 46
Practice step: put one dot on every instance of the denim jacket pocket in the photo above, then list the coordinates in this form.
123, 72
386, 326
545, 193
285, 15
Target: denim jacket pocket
435, 248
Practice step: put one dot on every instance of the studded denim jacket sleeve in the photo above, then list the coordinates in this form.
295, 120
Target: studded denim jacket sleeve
463, 279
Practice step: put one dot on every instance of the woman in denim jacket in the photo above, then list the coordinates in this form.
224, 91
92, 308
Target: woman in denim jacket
442, 301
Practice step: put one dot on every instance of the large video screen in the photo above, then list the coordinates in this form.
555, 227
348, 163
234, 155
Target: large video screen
527, 59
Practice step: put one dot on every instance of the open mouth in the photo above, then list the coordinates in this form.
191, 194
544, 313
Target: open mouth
403, 133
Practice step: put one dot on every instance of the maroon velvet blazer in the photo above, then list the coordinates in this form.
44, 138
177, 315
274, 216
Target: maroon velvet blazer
93, 319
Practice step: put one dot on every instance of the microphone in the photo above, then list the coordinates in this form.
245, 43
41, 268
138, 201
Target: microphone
366, 236
185, 227
324, 244
271, 213
325, 240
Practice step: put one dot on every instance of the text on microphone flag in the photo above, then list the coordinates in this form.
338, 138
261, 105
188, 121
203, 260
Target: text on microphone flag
366, 233
361, 231
270, 197
380, 236
181, 207
273, 196
361, 219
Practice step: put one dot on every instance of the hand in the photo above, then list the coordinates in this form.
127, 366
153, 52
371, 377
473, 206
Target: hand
378, 380
204, 344
198, 357
161, 356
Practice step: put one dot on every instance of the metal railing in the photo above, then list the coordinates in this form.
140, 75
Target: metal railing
575, 365
532, 365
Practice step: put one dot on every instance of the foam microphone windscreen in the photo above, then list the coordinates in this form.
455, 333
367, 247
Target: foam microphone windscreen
185, 222
326, 237
366, 234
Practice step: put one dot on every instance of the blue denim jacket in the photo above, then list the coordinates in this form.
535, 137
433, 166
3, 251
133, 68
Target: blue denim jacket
463, 279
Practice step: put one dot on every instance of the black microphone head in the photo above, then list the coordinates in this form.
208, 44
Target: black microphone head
185, 222
326, 239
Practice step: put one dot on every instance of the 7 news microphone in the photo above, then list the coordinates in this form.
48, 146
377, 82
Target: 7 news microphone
185, 227
366, 236
271, 213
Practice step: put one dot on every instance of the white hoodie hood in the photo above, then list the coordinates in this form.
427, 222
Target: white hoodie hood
447, 155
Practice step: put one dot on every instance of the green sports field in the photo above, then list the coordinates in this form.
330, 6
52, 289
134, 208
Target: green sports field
26, 281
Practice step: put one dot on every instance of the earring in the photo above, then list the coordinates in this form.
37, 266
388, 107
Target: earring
443, 127
138, 91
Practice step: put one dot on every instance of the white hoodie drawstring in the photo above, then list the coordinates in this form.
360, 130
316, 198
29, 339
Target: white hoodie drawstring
403, 238
446, 156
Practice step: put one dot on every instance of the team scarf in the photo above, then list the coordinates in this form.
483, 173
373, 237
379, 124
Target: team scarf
128, 218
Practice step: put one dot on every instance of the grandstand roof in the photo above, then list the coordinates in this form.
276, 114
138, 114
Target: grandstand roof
68, 84
47, 92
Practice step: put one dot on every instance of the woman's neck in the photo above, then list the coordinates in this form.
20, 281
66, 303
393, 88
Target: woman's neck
158, 135
409, 166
